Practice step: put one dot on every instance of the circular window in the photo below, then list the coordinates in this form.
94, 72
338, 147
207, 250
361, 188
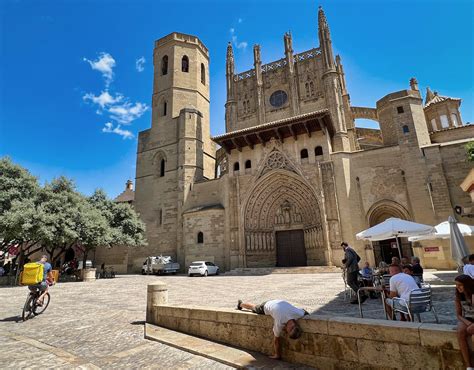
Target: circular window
278, 98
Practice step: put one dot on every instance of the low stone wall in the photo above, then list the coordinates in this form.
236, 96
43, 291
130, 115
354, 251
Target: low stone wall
327, 342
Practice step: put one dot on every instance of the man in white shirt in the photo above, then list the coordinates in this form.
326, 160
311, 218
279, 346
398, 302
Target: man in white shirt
401, 285
469, 268
284, 317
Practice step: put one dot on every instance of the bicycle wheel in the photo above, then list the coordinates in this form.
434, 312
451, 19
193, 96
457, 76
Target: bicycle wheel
40, 309
28, 308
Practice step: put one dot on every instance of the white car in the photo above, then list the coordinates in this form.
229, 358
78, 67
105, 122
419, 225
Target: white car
203, 268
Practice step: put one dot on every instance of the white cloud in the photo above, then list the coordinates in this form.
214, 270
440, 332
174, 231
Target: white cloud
104, 64
127, 112
110, 129
140, 64
104, 99
238, 44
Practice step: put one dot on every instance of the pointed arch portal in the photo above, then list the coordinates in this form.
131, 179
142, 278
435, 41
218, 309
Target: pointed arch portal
282, 222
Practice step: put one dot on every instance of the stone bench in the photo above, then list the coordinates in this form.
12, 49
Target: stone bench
328, 342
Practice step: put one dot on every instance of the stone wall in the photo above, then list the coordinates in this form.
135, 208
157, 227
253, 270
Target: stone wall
327, 342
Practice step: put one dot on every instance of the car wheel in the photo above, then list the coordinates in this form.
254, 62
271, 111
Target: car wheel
190, 275
205, 273
217, 272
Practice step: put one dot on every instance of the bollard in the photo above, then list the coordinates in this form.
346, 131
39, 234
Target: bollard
157, 293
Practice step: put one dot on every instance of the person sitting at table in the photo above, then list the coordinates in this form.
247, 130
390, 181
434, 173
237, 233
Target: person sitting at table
408, 269
367, 278
468, 269
383, 268
465, 315
396, 261
417, 269
401, 286
404, 261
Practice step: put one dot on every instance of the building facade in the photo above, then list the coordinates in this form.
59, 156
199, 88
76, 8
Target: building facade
292, 176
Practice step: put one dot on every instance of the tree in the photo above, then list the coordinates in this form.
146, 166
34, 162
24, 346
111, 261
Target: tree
470, 151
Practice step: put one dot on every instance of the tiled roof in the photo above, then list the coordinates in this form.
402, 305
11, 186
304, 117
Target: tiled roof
128, 195
438, 99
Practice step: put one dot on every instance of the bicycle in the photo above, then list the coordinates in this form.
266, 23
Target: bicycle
31, 307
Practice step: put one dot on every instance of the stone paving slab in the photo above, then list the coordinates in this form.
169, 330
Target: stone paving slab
100, 324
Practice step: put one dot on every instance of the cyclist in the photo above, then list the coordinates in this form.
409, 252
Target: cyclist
47, 279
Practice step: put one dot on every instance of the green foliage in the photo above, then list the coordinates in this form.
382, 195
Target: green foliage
56, 216
470, 151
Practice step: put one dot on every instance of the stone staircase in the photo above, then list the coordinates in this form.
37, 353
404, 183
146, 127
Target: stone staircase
281, 270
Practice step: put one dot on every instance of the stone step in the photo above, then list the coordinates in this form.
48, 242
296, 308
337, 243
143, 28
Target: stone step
230, 356
282, 270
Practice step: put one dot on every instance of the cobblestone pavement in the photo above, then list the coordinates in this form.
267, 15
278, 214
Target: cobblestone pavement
100, 324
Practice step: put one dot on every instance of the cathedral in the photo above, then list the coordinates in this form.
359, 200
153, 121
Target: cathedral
292, 176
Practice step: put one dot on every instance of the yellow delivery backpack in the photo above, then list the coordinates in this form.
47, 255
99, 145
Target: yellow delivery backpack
32, 273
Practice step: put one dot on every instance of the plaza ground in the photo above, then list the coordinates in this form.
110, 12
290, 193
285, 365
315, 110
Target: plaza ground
100, 324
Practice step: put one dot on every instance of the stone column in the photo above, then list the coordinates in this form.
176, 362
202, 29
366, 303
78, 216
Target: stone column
157, 293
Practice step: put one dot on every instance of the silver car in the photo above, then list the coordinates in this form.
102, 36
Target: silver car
203, 268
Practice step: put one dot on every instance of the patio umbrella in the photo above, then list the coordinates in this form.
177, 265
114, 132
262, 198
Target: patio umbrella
459, 249
443, 232
394, 228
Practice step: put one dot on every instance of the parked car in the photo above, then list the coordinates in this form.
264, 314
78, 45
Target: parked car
159, 265
203, 268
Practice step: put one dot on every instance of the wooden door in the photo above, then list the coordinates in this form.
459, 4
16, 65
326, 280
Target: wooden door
290, 248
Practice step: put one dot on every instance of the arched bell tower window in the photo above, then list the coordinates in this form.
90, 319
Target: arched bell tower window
318, 151
162, 167
304, 154
248, 163
200, 237
236, 166
185, 64
164, 65
405, 129
203, 74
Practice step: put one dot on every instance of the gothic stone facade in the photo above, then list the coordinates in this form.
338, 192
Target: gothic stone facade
293, 176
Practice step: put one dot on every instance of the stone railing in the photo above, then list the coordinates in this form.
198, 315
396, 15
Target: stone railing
327, 342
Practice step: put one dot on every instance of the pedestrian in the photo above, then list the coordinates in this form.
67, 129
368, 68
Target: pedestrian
351, 265
284, 317
465, 315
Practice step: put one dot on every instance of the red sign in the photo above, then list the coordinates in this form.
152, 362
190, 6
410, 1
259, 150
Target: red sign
431, 249
13, 250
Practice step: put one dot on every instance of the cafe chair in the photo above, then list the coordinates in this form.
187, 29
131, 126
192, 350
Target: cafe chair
419, 301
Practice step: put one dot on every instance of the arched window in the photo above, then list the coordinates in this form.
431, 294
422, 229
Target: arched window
318, 151
454, 118
165, 108
405, 129
185, 64
164, 65
306, 86
203, 74
200, 237
311, 88
248, 163
162, 167
304, 154
236, 166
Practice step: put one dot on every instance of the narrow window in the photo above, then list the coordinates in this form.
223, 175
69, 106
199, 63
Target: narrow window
318, 151
236, 166
245, 106
203, 74
162, 168
304, 153
248, 163
444, 121
164, 65
185, 64
248, 106
160, 217
306, 86
200, 237
311, 88
405, 129
454, 118
433, 124
165, 107
400, 110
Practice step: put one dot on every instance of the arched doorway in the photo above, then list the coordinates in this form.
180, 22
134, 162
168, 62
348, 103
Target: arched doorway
282, 222
384, 250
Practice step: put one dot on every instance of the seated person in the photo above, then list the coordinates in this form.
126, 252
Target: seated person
404, 261
396, 261
383, 268
465, 315
367, 272
408, 269
417, 269
468, 269
401, 285
284, 317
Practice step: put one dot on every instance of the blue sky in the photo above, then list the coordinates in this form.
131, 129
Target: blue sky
76, 76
